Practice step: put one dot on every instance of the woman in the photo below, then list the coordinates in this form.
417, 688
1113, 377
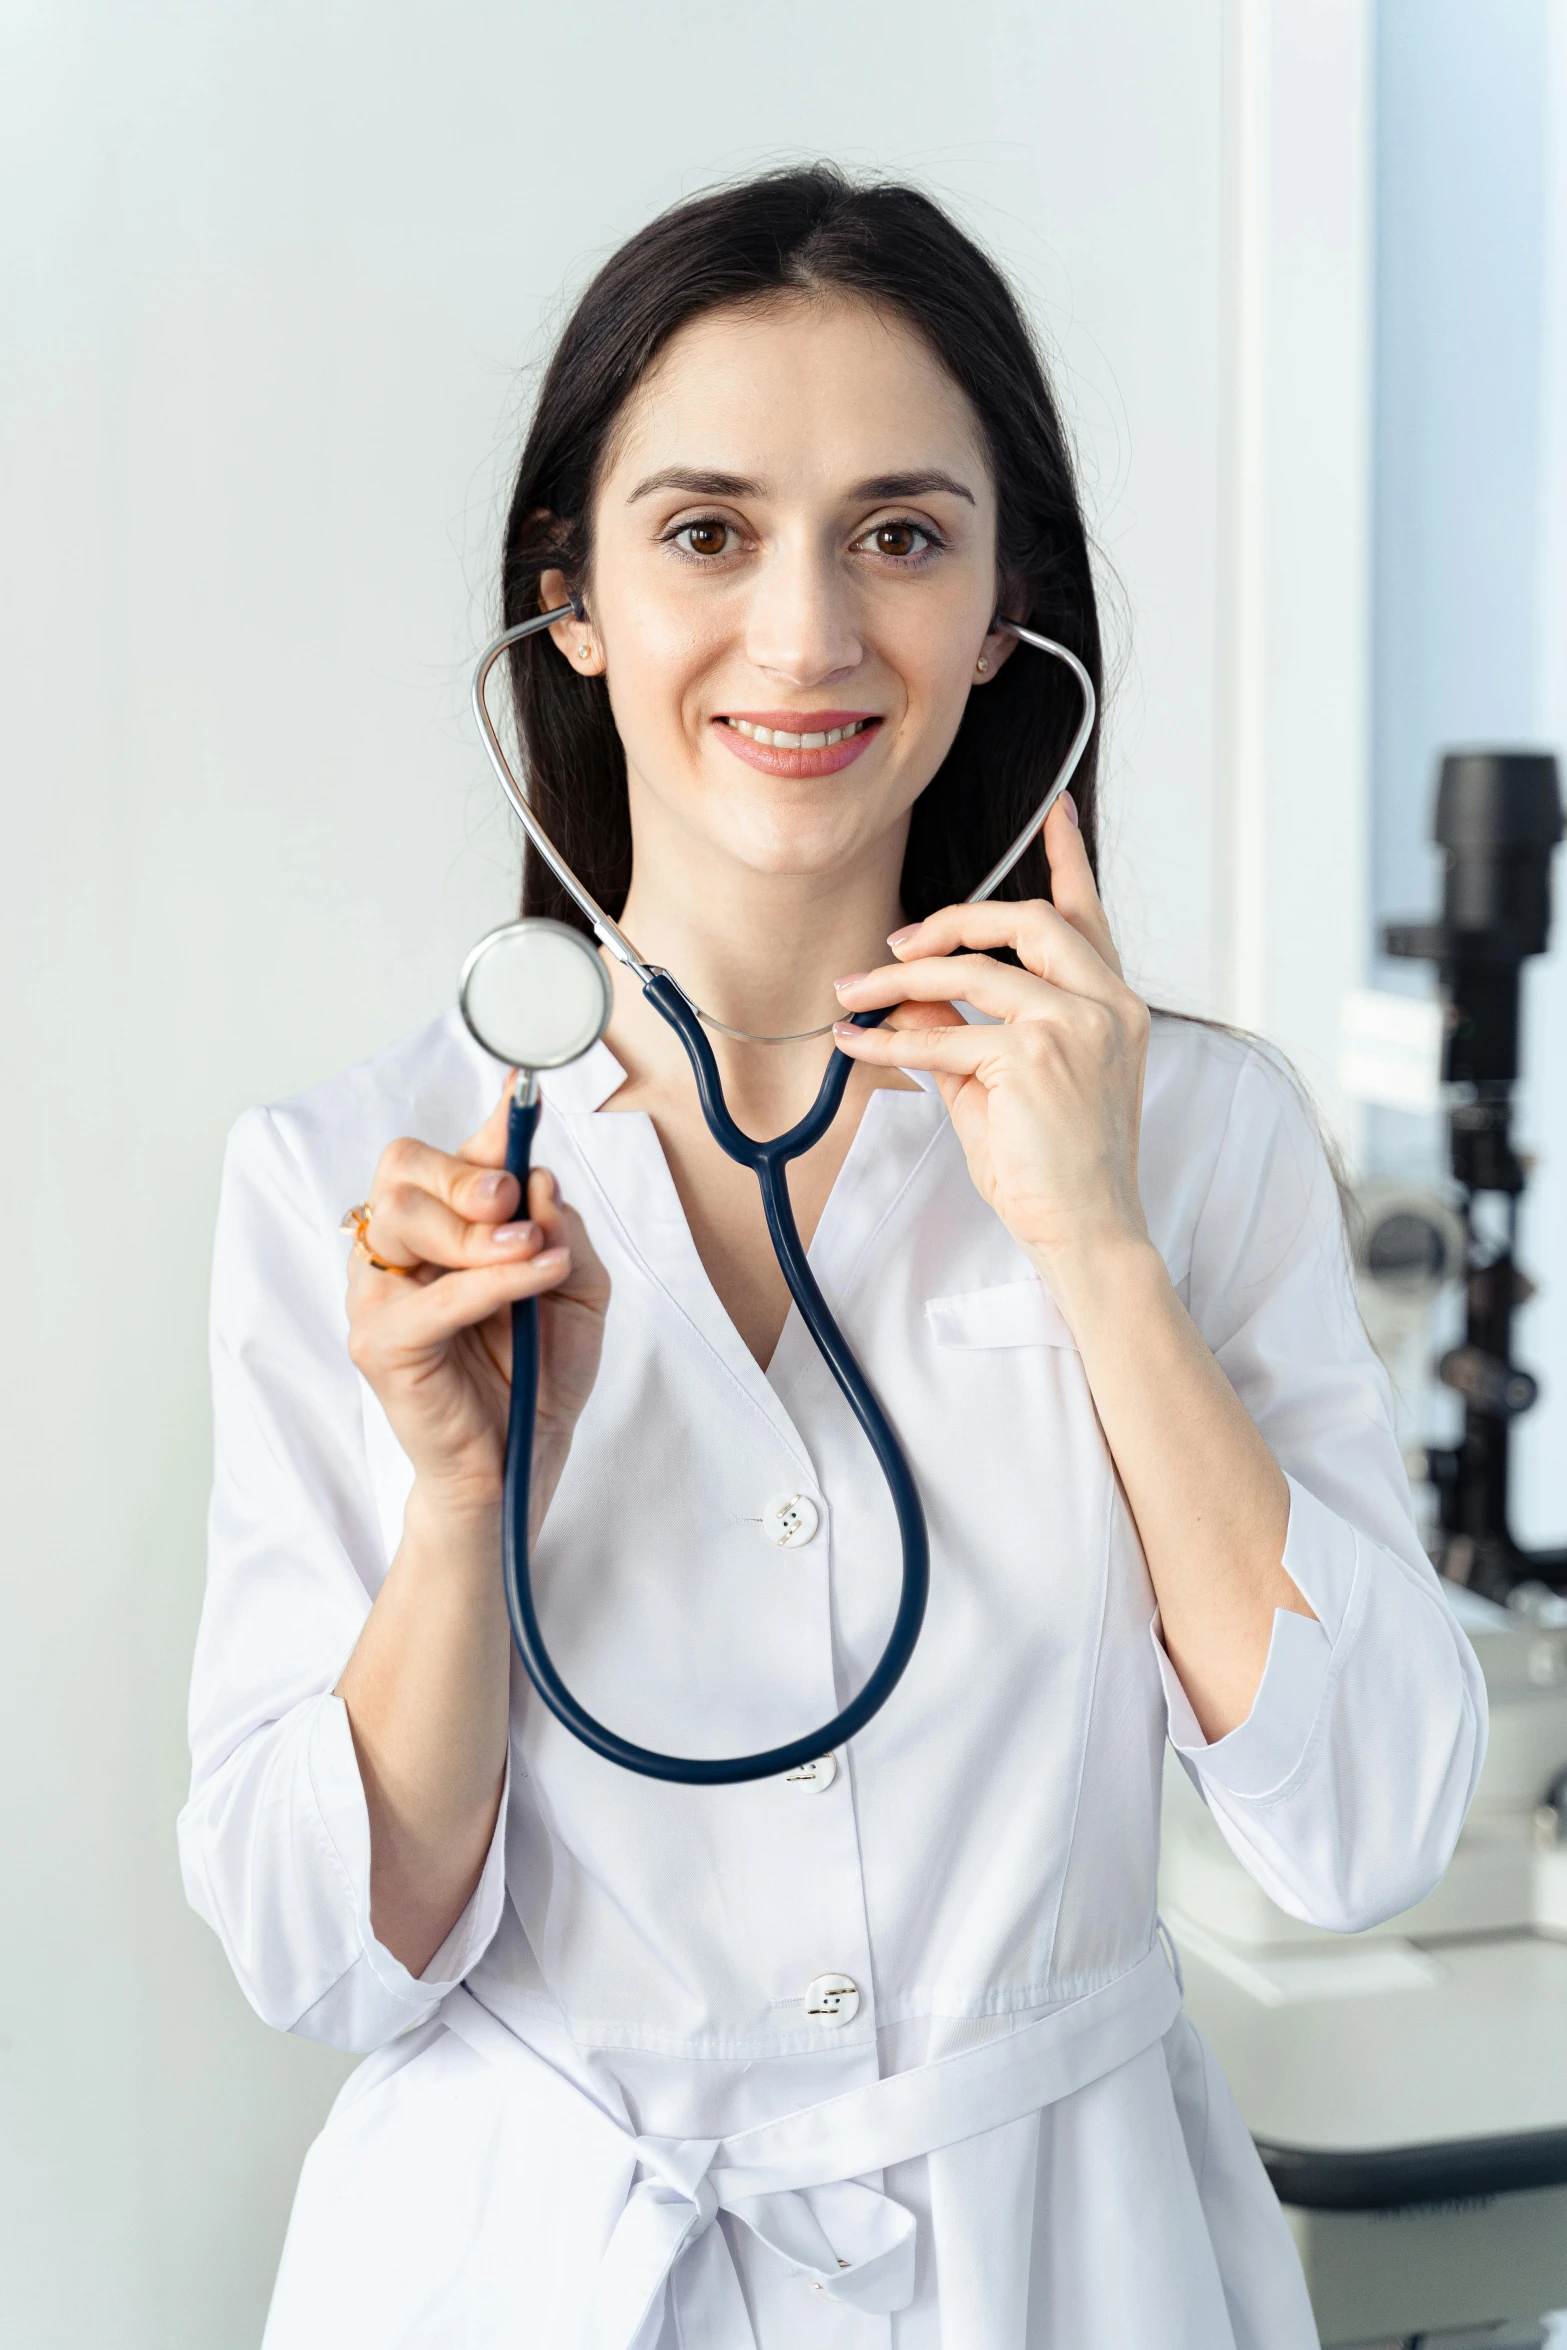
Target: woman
887, 2053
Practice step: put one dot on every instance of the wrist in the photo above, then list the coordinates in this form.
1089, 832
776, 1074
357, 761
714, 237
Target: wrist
1115, 1269
457, 1512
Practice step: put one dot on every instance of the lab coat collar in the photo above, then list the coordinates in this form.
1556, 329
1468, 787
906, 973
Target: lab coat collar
622, 1157
583, 1085
586, 1085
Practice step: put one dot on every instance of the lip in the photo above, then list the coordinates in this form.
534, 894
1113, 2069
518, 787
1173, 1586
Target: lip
772, 761
802, 721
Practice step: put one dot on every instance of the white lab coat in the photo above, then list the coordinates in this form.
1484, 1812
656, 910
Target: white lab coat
606, 2115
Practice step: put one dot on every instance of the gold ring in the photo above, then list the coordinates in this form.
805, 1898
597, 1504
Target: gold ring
357, 1221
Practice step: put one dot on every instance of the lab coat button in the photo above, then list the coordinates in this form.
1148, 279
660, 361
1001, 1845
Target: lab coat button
815, 1775
832, 1999
792, 1522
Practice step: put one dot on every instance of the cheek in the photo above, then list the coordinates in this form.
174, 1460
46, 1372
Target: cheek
655, 666
938, 671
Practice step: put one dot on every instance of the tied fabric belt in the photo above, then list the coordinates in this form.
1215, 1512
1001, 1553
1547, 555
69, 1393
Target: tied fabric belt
797, 2182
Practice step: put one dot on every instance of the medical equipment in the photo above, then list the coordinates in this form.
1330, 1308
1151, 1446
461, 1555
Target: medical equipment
1498, 818
1411, 1247
536, 995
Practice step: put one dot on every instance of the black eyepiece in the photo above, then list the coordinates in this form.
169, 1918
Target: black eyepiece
1499, 816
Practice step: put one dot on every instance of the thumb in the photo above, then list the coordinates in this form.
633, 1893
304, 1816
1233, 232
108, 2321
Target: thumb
487, 1148
1072, 889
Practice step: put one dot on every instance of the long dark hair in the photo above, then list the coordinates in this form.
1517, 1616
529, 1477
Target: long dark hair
810, 230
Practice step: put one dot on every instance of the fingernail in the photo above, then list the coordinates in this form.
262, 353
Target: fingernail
490, 1187
844, 1028
1070, 805
898, 936
513, 1235
552, 1259
849, 979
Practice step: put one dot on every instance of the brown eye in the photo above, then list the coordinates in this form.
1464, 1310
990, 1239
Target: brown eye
705, 538
899, 541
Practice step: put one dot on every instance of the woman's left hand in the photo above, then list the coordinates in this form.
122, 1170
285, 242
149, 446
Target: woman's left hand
1048, 1103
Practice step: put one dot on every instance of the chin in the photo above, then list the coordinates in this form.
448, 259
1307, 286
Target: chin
789, 858
801, 838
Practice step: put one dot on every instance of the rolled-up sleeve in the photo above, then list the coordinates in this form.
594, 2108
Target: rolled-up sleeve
1344, 1790
275, 1838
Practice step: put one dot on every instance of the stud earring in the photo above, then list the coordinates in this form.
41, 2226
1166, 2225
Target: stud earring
584, 652
982, 664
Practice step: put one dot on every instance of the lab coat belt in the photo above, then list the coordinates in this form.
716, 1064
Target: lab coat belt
798, 2182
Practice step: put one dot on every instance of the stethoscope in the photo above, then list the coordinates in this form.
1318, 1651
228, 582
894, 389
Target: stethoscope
536, 995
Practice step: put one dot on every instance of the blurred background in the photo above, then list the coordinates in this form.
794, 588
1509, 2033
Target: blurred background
277, 279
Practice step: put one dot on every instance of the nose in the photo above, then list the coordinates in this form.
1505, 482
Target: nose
801, 627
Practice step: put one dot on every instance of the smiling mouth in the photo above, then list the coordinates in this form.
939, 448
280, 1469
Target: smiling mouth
778, 738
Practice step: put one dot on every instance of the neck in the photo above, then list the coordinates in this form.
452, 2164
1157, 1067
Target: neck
759, 951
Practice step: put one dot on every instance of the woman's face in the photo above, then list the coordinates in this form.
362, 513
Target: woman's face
796, 539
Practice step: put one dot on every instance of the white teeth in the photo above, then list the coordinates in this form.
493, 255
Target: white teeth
778, 739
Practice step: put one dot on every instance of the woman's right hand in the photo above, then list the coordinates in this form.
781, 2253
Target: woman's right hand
435, 1344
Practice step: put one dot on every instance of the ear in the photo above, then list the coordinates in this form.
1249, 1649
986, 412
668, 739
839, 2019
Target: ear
576, 638
999, 645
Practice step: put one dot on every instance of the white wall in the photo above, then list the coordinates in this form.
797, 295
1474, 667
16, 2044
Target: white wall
1295, 551
271, 272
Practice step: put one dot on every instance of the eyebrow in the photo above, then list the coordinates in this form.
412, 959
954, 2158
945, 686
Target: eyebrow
696, 485
883, 488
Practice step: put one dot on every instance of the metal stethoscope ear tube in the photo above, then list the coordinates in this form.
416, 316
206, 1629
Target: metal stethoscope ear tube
529, 996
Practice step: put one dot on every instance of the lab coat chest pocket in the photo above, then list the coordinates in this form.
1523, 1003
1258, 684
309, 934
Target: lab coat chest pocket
1015, 1314
1012, 1383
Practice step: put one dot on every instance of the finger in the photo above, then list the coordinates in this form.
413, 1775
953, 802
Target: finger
559, 1225
545, 1205
1037, 933
994, 988
907, 1016
474, 1193
1073, 889
429, 1314
962, 1051
410, 1226
487, 1148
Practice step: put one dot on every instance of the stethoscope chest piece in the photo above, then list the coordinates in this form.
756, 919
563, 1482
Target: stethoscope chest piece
535, 994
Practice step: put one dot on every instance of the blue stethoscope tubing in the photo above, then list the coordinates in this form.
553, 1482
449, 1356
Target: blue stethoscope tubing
769, 1162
